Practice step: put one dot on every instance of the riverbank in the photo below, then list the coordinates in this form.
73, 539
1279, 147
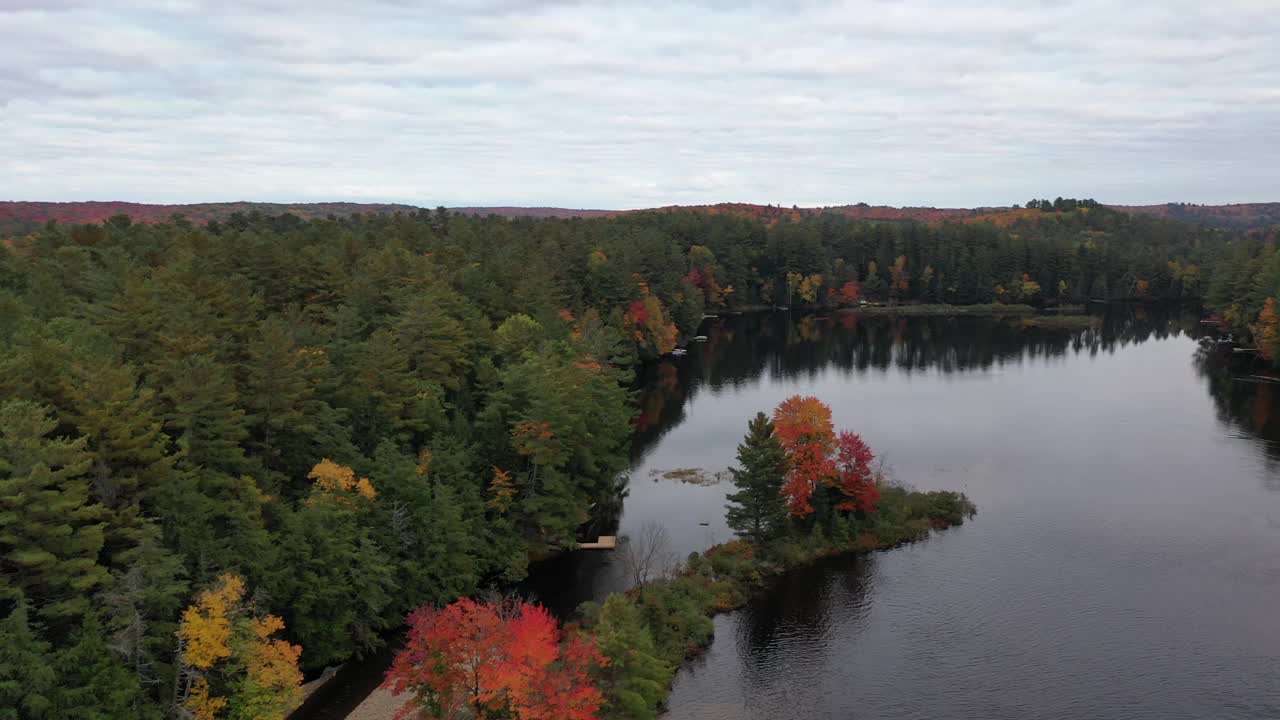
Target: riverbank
648, 632
941, 310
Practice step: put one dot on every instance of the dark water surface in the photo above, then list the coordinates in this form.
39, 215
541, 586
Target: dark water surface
1125, 561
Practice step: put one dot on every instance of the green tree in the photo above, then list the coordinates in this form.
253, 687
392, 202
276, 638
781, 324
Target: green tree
758, 511
50, 532
28, 679
636, 679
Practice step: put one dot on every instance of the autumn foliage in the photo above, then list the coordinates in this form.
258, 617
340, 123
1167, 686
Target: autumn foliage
818, 457
495, 660
334, 479
231, 660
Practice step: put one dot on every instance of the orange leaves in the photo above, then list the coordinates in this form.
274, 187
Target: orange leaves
803, 419
272, 665
205, 629
495, 660
222, 640
817, 457
502, 491
1266, 331
200, 704
332, 478
530, 431
803, 426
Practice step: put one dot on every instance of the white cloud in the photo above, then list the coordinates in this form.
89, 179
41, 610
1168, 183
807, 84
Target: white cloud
634, 104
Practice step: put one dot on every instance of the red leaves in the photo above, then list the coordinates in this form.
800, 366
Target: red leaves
809, 466
855, 479
495, 660
803, 426
637, 312
817, 457
849, 293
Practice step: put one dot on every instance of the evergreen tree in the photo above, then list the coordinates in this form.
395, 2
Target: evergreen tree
28, 680
636, 678
758, 511
50, 532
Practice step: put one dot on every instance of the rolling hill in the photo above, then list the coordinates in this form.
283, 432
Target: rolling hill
20, 217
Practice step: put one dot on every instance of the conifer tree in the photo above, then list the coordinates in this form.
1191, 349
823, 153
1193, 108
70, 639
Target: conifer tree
50, 532
28, 682
757, 511
636, 678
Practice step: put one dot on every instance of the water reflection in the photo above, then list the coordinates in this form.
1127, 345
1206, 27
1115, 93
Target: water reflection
740, 351
1126, 561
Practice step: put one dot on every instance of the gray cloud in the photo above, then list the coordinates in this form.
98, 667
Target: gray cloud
626, 105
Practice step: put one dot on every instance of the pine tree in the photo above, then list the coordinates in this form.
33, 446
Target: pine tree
28, 680
290, 426
50, 534
92, 682
636, 678
757, 511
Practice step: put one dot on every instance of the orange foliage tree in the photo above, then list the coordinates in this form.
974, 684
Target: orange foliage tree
1266, 331
818, 457
495, 660
225, 647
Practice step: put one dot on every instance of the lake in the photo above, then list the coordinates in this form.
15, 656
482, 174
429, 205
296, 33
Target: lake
1125, 560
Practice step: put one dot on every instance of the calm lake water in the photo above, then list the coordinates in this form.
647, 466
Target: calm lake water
1125, 561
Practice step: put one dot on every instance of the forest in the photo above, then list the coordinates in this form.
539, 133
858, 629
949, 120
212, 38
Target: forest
235, 452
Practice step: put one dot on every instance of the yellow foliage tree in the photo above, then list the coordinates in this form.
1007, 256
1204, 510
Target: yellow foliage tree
809, 287
331, 478
206, 626
227, 647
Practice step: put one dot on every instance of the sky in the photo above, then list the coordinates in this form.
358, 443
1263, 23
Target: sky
623, 105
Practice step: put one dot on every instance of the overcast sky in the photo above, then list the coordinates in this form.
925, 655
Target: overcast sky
946, 103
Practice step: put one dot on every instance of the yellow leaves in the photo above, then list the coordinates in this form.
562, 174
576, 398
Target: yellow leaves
1030, 288
225, 646
200, 704
273, 664
423, 468
809, 287
206, 626
331, 478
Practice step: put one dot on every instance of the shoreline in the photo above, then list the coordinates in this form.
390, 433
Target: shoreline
940, 310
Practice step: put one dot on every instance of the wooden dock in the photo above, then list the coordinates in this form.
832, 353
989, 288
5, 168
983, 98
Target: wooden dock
604, 542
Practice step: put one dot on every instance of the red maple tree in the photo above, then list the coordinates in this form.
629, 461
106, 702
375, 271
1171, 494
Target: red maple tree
495, 660
854, 476
817, 457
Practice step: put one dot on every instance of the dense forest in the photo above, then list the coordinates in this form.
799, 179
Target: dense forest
1245, 291
230, 450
